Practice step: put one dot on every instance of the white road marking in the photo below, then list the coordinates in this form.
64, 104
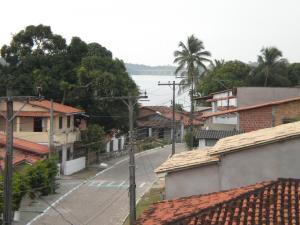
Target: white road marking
99, 183
138, 155
122, 183
142, 184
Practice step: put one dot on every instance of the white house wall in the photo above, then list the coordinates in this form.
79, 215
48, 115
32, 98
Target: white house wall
266, 162
192, 181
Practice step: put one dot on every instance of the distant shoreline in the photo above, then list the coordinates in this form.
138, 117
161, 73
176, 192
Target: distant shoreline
138, 69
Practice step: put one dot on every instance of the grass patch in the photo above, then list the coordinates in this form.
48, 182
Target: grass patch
152, 196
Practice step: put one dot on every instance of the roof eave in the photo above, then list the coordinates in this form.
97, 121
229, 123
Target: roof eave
186, 167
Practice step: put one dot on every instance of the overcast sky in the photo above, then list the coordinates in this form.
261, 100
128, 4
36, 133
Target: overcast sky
147, 32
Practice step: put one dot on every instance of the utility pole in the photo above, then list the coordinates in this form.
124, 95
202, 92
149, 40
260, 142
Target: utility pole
10, 116
192, 113
7, 213
51, 129
173, 114
130, 101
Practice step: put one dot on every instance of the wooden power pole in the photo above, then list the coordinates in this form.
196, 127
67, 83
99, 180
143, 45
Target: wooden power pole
173, 114
130, 102
9, 117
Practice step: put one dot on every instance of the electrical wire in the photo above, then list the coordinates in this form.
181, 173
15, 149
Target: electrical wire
56, 210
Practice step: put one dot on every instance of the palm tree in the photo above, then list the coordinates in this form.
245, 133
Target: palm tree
217, 63
269, 59
190, 59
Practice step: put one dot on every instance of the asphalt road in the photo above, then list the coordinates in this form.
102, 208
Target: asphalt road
103, 200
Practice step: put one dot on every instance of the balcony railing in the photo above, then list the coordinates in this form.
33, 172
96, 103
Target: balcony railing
43, 137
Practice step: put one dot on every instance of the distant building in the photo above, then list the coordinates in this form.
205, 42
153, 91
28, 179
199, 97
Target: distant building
235, 161
231, 108
208, 138
32, 123
156, 122
254, 117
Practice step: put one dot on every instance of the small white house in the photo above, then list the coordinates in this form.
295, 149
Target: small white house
240, 160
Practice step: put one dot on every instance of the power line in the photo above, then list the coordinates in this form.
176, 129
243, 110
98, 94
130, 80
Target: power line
173, 112
130, 101
56, 210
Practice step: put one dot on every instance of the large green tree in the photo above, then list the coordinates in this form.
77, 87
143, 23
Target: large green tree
294, 73
227, 75
76, 73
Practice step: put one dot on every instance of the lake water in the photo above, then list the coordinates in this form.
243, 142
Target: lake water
160, 95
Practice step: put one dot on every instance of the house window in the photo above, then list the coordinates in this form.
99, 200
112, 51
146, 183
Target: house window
37, 124
68, 121
60, 122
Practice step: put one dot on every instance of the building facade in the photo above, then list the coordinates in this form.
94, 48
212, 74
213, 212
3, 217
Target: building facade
235, 161
32, 123
242, 97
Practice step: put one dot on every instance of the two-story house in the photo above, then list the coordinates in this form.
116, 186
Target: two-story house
32, 123
250, 108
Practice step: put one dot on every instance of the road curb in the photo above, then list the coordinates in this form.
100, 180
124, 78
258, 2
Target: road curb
87, 180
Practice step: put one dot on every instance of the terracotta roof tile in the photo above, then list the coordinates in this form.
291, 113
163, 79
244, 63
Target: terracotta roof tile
186, 160
271, 202
25, 145
32, 114
56, 106
18, 158
167, 113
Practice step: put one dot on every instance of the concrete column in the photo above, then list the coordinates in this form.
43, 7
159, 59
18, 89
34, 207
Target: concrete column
72, 151
182, 132
150, 131
18, 124
64, 158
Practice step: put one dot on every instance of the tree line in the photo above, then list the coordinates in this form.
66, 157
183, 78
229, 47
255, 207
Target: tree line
74, 74
197, 68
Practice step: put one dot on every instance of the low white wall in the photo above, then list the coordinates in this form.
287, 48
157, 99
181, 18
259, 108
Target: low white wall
73, 166
242, 168
192, 181
202, 143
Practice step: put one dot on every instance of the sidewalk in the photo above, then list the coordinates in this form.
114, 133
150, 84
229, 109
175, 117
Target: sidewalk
31, 208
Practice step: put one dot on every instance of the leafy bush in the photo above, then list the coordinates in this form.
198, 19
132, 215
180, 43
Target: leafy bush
150, 143
35, 180
94, 138
190, 143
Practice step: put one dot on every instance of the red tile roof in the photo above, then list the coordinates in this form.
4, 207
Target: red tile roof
18, 158
251, 107
56, 106
167, 113
25, 145
272, 202
32, 114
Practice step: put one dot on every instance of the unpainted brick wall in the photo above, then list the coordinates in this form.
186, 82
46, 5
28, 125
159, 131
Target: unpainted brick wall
255, 119
289, 110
